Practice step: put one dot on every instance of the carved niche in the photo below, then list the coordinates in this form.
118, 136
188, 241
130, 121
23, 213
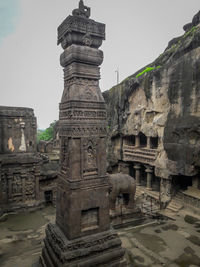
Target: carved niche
30, 187
64, 160
89, 157
16, 185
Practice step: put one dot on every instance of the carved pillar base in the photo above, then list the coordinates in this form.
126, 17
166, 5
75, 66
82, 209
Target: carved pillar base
103, 249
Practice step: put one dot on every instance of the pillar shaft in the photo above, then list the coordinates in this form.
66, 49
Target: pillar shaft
149, 172
148, 142
137, 168
137, 141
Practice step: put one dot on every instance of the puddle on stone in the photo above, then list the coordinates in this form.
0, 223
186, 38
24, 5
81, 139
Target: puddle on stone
135, 261
25, 221
22, 237
151, 242
170, 227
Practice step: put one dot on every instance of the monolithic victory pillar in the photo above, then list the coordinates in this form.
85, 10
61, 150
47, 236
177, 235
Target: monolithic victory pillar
82, 234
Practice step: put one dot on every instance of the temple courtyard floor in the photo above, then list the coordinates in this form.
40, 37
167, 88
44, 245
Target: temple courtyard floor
158, 243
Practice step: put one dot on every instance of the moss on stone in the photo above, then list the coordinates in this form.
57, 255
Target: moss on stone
147, 69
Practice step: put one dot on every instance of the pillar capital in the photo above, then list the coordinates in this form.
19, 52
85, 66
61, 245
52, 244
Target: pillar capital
149, 169
137, 166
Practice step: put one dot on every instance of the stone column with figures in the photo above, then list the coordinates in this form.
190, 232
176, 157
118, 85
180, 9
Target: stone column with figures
82, 235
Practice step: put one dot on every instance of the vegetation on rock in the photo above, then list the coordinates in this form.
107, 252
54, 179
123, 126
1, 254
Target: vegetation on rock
147, 70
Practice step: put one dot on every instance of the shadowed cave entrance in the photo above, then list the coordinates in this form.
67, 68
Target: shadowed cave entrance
48, 196
181, 182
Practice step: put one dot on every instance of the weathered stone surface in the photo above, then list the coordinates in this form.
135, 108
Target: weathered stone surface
21, 184
82, 235
20, 166
161, 108
18, 130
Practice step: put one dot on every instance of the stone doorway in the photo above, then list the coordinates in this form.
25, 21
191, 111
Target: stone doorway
181, 182
48, 196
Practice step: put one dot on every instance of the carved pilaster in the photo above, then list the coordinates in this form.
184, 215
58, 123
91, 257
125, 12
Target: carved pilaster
148, 142
9, 182
23, 178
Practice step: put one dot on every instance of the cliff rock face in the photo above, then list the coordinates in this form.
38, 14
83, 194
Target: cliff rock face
163, 103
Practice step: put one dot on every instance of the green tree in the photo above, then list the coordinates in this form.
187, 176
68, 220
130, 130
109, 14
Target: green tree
47, 134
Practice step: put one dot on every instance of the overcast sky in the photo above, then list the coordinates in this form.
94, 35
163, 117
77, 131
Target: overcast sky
137, 31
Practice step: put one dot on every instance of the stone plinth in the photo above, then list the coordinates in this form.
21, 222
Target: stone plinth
82, 235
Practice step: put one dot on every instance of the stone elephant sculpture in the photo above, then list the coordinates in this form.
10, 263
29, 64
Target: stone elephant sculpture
122, 184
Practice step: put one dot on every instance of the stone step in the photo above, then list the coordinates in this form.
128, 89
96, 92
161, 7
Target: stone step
174, 206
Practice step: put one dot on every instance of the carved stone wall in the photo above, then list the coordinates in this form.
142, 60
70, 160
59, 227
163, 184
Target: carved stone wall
162, 104
18, 130
21, 184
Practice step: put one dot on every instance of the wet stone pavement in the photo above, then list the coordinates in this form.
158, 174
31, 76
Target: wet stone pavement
161, 243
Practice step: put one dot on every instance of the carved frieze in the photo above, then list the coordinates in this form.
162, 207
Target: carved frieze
81, 89
81, 70
79, 114
82, 54
74, 28
83, 131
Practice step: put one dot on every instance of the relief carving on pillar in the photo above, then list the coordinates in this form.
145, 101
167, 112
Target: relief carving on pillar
30, 186
90, 157
80, 89
4, 185
16, 185
64, 160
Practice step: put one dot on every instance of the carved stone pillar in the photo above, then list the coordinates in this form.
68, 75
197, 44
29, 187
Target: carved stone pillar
137, 141
9, 179
82, 235
149, 172
37, 182
148, 142
137, 168
195, 182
